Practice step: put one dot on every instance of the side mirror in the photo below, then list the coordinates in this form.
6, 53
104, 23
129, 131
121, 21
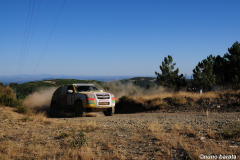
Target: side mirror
70, 91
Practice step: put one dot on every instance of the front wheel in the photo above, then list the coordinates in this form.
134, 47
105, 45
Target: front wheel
109, 112
79, 109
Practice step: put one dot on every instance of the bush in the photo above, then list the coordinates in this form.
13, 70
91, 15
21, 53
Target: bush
63, 135
22, 109
164, 105
233, 131
78, 140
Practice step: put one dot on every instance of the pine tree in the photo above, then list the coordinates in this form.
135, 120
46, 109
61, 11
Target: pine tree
169, 76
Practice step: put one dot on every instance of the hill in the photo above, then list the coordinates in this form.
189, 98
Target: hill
142, 81
24, 89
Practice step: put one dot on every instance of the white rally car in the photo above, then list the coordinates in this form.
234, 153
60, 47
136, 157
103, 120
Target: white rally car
83, 98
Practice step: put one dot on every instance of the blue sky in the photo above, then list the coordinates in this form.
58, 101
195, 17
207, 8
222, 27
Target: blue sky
113, 37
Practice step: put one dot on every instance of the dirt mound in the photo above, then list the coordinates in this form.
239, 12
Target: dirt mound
171, 105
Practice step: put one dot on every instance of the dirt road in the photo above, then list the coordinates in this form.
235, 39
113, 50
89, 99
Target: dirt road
121, 136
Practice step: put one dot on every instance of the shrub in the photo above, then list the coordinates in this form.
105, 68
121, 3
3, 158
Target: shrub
78, 140
164, 105
26, 119
22, 109
7, 97
233, 131
63, 135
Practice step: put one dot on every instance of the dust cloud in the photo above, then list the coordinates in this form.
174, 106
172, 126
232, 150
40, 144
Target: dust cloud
129, 89
40, 98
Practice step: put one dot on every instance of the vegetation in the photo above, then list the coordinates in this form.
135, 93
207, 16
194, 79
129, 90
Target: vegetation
23, 90
78, 140
8, 98
219, 70
169, 76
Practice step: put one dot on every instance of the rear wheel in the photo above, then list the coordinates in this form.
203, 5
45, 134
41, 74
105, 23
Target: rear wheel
109, 112
79, 109
54, 109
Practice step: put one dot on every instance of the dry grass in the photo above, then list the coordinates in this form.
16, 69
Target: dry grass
47, 138
194, 96
35, 136
190, 140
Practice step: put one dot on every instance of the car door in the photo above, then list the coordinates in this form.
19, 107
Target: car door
63, 97
70, 96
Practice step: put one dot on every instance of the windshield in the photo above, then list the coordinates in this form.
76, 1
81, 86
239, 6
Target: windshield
86, 88
95, 88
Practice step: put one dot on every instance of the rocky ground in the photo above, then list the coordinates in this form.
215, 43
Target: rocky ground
179, 135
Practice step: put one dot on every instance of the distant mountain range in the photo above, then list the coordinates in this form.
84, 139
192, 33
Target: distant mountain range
27, 78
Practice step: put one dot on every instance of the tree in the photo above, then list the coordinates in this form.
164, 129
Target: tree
169, 76
233, 63
220, 70
203, 72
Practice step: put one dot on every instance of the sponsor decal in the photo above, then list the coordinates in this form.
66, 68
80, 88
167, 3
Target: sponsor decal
113, 100
91, 101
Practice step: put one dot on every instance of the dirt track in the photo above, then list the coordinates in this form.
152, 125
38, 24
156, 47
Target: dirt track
138, 119
121, 136
135, 134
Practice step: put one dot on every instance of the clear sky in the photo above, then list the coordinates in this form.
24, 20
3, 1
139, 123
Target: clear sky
113, 37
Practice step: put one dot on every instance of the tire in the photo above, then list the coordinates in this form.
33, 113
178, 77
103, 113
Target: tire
79, 109
54, 109
109, 112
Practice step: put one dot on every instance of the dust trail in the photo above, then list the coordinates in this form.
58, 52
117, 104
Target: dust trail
129, 89
40, 98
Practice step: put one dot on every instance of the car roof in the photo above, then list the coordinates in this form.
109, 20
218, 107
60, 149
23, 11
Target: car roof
83, 84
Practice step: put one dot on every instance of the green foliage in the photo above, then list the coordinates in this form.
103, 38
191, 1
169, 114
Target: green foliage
233, 131
203, 72
23, 90
22, 109
8, 101
78, 140
26, 119
7, 97
220, 70
233, 63
169, 76
164, 104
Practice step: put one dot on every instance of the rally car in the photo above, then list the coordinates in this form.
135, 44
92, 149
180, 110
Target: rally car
83, 98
